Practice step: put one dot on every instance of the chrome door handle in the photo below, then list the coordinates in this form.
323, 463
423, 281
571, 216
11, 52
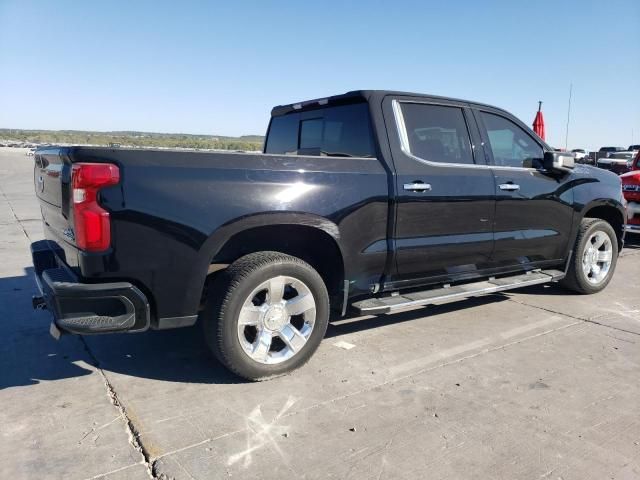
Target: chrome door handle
417, 187
509, 187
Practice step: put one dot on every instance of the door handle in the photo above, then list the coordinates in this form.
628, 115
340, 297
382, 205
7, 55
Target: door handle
417, 187
510, 187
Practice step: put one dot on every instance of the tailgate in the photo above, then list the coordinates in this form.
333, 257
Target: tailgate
52, 182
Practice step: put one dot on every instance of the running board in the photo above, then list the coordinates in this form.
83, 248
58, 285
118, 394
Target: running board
373, 306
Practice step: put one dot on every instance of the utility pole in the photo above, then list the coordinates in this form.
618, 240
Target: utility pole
566, 137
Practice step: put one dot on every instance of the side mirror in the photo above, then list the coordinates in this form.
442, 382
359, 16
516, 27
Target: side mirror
559, 161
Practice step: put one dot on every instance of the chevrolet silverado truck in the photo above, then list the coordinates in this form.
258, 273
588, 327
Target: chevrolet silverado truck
367, 202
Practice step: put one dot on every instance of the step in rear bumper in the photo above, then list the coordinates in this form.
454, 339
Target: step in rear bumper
86, 308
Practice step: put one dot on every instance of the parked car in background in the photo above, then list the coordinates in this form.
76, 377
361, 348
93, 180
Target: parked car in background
581, 155
634, 148
373, 201
606, 151
631, 191
617, 162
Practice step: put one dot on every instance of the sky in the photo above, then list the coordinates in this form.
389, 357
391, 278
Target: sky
219, 67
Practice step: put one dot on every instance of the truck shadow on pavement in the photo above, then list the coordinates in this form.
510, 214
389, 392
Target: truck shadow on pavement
631, 241
29, 355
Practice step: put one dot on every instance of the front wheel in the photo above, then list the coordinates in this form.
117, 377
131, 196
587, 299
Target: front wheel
266, 315
594, 258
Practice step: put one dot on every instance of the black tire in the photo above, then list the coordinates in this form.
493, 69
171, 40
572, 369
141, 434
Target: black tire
227, 296
576, 279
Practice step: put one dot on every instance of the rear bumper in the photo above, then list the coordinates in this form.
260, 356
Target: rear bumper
85, 308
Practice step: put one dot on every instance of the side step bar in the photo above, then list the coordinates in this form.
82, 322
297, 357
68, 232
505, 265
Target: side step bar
445, 294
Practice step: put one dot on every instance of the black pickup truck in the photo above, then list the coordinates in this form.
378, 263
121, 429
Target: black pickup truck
366, 202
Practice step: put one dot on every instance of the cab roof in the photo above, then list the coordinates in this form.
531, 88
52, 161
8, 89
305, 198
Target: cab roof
356, 96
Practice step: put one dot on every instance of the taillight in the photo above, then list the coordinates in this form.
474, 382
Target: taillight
91, 221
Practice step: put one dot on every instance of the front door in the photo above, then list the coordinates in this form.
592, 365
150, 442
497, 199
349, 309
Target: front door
444, 191
533, 208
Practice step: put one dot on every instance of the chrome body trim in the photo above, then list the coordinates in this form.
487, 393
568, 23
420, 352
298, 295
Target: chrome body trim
345, 297
417, 187
404, 141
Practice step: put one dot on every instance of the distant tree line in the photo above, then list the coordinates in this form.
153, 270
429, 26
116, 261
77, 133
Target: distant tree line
134, 139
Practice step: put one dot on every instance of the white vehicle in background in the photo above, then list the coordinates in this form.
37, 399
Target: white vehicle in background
30, 152
581, 155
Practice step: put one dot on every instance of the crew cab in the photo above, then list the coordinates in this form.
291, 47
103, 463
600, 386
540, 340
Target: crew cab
367, 202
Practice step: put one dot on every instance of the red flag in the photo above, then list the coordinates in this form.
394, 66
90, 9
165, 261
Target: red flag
538, 123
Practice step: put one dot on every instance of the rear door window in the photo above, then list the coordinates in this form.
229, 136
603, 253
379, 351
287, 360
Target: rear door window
437, 133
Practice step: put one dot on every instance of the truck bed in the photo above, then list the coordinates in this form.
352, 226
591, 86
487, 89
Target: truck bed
174, 210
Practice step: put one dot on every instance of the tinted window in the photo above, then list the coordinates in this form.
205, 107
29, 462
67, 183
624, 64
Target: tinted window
347, 131
437, 133
510, 144
283, 134
311, 133
338, 131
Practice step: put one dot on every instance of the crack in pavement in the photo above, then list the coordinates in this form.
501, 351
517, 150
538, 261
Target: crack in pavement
132, 431
582, 319
391, 381
13, 212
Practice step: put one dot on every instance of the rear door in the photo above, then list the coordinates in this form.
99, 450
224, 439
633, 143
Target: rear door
445, 191
534, 210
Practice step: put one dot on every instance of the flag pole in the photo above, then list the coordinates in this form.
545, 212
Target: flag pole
566, 137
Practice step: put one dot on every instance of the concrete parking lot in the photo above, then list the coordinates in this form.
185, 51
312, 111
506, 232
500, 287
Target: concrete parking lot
538, 383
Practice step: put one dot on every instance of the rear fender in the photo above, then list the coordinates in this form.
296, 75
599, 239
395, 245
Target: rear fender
220, 237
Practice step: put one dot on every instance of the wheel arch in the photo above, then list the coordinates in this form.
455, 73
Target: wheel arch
611, 212
314, 239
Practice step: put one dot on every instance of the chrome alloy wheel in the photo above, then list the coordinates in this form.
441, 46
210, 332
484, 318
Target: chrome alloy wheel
276, 320
597, 257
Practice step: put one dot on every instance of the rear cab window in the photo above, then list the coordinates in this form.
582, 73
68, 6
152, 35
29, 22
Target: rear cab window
340, 131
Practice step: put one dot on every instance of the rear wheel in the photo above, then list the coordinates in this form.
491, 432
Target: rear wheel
266, 315
594, 258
